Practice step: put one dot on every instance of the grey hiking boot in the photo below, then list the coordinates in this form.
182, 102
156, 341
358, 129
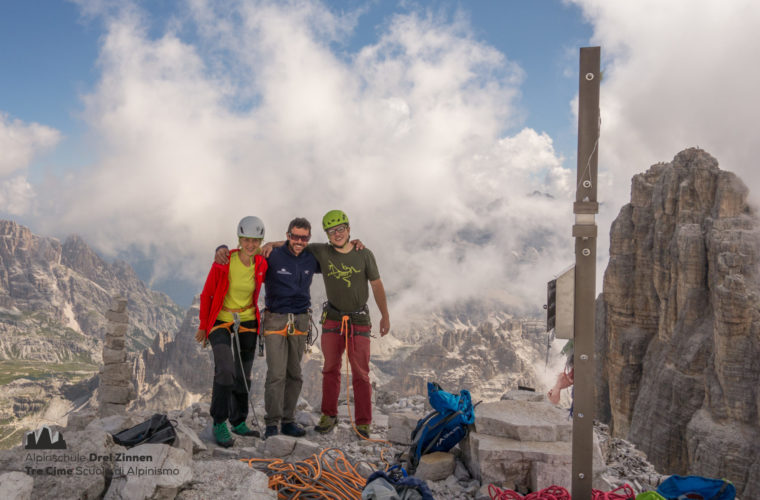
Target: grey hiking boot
242, 429
326, 424
222, 435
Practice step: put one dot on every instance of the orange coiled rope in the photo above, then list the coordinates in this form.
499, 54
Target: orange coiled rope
319, 476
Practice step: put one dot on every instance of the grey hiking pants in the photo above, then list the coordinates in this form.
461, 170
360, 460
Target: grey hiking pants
284, 345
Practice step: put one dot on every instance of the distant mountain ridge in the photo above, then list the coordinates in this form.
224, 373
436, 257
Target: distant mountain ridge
53, 297
63, 290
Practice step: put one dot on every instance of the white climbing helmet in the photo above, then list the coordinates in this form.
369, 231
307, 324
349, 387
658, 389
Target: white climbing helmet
251, 227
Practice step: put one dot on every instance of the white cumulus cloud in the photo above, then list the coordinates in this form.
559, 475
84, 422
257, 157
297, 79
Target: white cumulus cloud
677, 74
260, 114
19, 143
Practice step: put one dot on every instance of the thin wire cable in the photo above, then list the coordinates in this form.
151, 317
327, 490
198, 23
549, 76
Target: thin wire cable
587, 169
242, 370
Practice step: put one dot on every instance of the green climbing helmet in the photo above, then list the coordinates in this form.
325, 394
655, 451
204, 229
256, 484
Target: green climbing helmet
334, 218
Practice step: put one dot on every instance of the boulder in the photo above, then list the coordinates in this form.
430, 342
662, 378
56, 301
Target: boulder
226, 479
74, 477
435, 466
150, 471
185, 433
304, 449
522, 395
400, 427
493, 459
16, 486
279, 446
523, 420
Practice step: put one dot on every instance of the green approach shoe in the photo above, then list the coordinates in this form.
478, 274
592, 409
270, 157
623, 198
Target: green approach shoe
242, 430
363, 429
222, 435
326, 424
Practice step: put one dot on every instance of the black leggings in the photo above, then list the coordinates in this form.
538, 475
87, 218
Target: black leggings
229, 399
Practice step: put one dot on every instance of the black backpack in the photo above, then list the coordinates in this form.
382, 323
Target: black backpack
158, 429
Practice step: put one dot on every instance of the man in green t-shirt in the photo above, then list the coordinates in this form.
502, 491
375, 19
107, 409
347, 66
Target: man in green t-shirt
348, 274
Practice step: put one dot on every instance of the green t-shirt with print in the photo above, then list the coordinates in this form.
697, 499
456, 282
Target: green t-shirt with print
346, 276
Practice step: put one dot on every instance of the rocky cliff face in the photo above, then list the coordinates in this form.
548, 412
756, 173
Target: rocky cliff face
680, 322
175, 371
53, 298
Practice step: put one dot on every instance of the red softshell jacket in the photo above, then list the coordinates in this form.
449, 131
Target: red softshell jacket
215, 289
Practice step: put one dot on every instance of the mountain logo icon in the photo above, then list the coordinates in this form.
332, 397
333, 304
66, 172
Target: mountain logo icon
44, 438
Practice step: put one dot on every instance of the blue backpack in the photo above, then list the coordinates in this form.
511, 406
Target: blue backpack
697, 488
446, 426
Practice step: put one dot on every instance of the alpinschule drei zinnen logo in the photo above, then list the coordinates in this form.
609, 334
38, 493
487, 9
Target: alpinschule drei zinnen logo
44, 438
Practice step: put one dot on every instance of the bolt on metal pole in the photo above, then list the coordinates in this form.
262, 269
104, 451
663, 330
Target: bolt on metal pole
584, 232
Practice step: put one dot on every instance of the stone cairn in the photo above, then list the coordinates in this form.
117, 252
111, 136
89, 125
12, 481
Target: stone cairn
116, 389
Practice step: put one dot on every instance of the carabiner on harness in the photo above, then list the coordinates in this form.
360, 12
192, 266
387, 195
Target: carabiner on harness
290, 327
235, 334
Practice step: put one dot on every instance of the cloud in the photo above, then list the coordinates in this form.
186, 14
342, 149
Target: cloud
16, 195
677, 74
19, 143
258, 113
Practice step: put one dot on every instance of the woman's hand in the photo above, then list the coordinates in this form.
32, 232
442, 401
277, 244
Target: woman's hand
222, 255
200, 336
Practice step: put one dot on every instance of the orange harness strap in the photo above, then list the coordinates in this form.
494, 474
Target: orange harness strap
283, 332
227, 326
289, 329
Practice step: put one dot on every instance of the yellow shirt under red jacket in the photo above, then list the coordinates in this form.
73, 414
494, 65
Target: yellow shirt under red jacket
215, 289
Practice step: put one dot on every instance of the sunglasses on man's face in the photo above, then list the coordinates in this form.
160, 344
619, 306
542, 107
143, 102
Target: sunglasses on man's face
299, 237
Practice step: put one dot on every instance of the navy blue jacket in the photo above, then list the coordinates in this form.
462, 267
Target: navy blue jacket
288, 280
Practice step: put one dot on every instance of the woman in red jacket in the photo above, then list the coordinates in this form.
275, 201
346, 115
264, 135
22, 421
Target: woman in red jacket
231, 293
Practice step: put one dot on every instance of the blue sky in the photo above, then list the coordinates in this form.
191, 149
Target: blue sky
151, 127
55, 48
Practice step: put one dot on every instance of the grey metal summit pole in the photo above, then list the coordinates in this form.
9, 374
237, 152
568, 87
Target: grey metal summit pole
584, 232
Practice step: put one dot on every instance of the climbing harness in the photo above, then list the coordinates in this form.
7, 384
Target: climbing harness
289, 328
330, 313
328, 474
